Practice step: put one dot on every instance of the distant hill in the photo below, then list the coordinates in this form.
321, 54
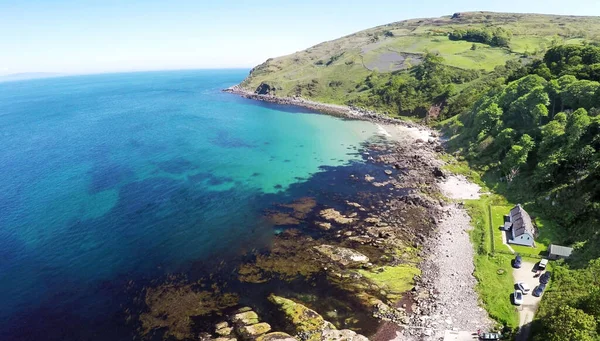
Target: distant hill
334, 71
27, 75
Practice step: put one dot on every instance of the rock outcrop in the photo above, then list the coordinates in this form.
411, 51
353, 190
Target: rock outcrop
342, 256
331, 214
309, 325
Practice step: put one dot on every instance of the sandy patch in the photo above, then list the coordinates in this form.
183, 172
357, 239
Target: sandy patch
397, 132
458, 187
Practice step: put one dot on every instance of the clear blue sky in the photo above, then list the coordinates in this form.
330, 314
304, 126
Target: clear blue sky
101, 36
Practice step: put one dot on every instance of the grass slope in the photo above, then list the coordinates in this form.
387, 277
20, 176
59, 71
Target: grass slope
334, 71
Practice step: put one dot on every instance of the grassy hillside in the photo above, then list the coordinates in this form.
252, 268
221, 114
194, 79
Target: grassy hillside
335, 71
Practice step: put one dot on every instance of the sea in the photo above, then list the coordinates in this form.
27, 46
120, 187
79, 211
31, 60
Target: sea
114, 181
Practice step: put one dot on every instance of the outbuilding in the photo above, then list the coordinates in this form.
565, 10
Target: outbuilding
559, 252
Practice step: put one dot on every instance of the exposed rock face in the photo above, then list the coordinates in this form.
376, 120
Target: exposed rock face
341, 255
264, 89
335, 216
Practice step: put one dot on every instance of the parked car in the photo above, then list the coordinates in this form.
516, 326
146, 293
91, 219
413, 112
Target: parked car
517, 261
489, 336
523, 287
537, 292
518, 297
543, 263
545, 277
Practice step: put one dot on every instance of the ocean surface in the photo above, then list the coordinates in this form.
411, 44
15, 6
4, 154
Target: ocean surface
125, 178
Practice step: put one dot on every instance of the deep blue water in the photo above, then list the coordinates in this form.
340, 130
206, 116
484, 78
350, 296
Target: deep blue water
110, 178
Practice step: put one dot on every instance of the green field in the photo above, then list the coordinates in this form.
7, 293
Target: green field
335, 71
493, 271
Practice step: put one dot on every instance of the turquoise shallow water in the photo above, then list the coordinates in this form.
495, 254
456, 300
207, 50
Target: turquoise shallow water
138, 175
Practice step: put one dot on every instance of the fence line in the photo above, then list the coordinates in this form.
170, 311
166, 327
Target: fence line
491, 224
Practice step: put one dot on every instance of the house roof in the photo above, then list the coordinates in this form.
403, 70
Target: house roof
521, 221
560, 250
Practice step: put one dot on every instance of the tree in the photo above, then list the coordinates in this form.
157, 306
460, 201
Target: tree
570, 324
581, 94
577, 124
489, 119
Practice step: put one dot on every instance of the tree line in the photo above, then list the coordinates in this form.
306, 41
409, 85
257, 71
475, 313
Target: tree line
538, 131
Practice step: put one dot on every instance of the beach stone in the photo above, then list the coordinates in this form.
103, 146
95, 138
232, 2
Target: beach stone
276, 336
387, 172
369, 178
225, 339
341, 255
246, 318
335, 216
253, 331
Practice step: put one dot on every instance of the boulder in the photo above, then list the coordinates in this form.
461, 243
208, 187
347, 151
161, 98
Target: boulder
304, 321
224, 331
438, 173
276, 336
341, 255
245, 318
387, 172
221, 325
253, 331
225, 339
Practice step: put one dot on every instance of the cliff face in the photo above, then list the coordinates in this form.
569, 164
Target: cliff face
335, 71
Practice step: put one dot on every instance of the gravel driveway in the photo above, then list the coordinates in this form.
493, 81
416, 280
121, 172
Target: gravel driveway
530, 303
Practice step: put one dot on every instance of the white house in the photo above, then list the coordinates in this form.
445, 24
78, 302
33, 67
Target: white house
521, 230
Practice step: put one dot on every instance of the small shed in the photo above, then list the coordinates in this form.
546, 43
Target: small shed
558, 252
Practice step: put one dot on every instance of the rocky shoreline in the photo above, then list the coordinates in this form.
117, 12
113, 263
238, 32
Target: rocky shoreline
396, 248
329, 109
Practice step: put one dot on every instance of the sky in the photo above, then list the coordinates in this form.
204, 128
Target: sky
84, 36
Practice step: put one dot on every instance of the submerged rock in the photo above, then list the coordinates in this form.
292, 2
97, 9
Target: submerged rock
171, 306
323, 226
335, 216
341, 255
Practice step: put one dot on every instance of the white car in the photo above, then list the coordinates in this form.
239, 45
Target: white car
543, 264
518, 297
523, 287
